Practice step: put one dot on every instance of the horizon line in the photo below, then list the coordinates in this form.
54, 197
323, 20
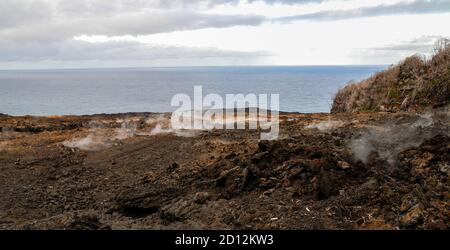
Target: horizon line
196, 66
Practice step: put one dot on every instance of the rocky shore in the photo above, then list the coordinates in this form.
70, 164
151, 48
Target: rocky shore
130, 171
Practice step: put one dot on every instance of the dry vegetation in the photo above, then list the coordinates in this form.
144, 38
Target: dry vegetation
414, 84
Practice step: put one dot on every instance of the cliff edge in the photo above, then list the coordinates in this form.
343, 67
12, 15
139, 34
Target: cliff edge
414, 84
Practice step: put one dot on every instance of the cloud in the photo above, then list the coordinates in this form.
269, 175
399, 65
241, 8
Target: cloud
43, 30
392, 52
32, 30
414, 7
423, 45
76, 50
15, 13
289, 2
24, 25
44, 20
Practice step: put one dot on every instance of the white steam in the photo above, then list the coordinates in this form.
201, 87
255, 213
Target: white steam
159, 129
392, 138
6, 133
100, 137
326, 125
162, 125
97, 139
126, 130
91, 142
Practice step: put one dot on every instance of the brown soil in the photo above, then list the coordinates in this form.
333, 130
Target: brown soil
224, 179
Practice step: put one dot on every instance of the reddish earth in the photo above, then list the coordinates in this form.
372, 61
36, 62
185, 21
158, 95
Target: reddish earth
352, 171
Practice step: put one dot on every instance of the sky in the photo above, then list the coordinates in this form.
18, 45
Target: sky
37, 34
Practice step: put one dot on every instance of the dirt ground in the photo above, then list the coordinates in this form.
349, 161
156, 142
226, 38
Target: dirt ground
129, 171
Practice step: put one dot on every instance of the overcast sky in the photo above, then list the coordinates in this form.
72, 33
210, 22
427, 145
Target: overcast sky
134, 33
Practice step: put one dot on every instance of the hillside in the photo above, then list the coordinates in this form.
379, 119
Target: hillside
414, 84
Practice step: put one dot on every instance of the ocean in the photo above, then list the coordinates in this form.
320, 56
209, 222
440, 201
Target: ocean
304, 89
